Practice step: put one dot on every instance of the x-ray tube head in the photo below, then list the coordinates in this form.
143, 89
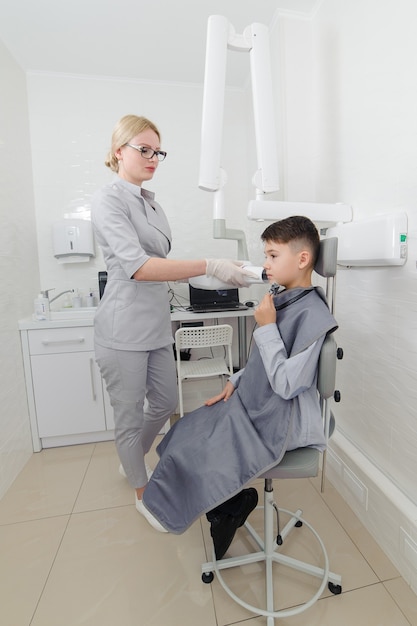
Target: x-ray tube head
213, 103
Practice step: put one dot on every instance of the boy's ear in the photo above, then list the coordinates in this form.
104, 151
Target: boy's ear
305, 259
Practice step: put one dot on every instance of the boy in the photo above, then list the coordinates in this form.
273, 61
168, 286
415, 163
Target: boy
265, 409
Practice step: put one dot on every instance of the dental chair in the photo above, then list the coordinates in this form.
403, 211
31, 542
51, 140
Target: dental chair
300, 463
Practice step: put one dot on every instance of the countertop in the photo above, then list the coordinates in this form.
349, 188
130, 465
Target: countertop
30, 324
85, 317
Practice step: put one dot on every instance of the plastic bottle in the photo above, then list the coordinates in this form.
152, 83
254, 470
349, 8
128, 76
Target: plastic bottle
76, 299
90, 299
41, 308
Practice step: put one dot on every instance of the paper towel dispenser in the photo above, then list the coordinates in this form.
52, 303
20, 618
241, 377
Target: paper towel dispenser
73, 240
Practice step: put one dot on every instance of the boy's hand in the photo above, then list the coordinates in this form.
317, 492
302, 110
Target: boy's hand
265, 313
224, 395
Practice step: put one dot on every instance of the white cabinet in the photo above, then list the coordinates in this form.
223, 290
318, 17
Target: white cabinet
67, 400
68, 394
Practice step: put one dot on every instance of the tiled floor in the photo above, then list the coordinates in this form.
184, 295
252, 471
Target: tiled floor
74, 552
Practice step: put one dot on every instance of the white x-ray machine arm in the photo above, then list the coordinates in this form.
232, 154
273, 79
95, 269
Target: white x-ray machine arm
221, 37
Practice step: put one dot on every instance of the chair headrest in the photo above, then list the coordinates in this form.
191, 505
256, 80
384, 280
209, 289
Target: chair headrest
327, 261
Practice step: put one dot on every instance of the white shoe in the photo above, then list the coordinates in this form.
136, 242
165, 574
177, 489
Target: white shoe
149, 472
148, 516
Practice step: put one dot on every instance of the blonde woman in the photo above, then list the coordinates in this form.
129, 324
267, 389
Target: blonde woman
133, 337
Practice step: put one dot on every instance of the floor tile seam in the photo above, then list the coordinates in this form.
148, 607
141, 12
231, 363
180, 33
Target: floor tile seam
34, 519
83, 478
348, 533
355, 542
333, 596
359, 587
50, 570
101, 508
393, 597
241, 622
321, 599
388, 579
206, 549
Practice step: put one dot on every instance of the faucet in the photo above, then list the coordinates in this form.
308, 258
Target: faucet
58, 296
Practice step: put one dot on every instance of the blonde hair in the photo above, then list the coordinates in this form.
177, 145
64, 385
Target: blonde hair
127, 127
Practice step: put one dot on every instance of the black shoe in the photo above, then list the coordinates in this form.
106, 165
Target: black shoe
250, 502
224, 526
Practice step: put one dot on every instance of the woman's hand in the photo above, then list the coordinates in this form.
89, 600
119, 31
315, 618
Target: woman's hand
224, 395
231, 272
265, 313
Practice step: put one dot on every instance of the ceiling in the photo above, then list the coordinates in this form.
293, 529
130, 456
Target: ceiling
158, 40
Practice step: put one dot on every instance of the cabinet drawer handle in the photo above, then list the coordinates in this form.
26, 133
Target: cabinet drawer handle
49, 342
93, 384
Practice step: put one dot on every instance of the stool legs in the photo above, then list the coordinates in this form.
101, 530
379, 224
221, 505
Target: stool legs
269, 554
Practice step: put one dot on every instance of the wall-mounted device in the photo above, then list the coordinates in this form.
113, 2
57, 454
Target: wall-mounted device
73, 240
374, 241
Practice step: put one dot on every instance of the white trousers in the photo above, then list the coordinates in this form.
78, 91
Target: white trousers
131, 378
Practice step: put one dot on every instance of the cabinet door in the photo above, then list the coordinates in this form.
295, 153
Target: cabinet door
68, 393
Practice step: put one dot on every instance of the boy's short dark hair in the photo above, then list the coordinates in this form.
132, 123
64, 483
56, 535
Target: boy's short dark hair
294, 229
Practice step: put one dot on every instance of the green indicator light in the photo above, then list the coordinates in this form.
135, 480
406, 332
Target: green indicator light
403, 238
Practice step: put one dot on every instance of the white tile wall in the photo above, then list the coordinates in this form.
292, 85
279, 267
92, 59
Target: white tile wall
72, 119
366, 118
366, 155
18, 266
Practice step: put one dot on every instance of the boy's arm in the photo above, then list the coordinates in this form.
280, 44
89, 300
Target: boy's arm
235, 378
288, 376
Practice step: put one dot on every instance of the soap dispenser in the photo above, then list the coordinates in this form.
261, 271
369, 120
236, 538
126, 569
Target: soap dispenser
41, 307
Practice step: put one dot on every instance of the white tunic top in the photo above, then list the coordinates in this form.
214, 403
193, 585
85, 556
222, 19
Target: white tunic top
130, 228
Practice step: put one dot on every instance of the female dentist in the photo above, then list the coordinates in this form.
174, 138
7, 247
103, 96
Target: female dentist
132, 326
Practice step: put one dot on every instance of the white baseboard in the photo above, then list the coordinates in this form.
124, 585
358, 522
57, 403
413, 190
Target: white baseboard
387, 513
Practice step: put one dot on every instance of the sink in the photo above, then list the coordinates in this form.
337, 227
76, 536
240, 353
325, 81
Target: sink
84, 312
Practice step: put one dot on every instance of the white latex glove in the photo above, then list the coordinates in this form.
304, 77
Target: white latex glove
230, 272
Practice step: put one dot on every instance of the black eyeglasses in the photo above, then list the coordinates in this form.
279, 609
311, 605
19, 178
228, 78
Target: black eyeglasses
148, 153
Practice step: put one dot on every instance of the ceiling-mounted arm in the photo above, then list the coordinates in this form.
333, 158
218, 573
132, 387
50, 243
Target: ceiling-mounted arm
212, 177
266, 178
221, 36
255, 41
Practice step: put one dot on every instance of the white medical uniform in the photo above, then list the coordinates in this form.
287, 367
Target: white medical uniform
132, 326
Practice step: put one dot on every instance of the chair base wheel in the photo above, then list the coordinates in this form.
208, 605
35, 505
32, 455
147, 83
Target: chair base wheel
207, 577
298, 524
335, 589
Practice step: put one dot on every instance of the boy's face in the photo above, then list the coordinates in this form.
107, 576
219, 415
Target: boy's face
287, 264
